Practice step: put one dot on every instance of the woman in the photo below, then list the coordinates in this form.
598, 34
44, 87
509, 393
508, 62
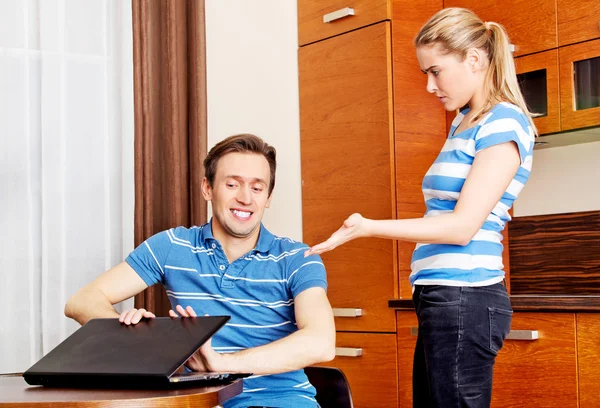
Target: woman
463, 308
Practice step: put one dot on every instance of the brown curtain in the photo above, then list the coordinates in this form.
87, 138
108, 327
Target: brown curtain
170, 122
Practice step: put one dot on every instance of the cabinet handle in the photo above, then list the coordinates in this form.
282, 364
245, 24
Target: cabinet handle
512, 48
512, 335
336, 15
522, 335
348, 352
346, 312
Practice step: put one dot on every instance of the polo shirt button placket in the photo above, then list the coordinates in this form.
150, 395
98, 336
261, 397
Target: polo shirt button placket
226, 282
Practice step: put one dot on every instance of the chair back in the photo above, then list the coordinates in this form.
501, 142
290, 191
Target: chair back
333, 390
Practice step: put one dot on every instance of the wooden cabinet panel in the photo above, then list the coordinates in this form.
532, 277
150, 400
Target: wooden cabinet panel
347, 166
543, 372
569, 117
588, 356
406, 323
531, 25
578, 20
311, 26
372, 376
419, 127
547, 61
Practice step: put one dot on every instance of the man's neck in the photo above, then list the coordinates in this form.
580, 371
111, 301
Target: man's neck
234, 247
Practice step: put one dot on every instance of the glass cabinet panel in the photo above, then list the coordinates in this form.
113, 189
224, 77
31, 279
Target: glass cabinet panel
534, 89
538, 78
580, 85
587, 83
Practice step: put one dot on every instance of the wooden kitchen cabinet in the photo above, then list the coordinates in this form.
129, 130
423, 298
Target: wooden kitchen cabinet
588, 356
531, 25
345, 16
538, 79
369, 362
368, 131
578, 20
407, 340
538, 373
580, 85
346, 137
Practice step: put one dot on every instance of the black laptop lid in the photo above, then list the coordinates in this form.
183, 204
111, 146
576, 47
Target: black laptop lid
153, 347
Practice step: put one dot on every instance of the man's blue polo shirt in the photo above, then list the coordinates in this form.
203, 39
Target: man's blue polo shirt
257, 291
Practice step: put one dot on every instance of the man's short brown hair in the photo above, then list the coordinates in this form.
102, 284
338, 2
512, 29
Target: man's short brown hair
243, 143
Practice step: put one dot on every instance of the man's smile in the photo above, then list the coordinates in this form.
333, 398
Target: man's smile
241, 214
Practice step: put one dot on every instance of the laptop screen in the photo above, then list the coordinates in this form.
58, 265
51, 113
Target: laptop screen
152, 347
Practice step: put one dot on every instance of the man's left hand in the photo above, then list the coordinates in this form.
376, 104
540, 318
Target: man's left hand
206, 358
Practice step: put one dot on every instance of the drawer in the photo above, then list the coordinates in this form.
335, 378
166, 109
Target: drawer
322, 19
369, 362
542, 372
588, 355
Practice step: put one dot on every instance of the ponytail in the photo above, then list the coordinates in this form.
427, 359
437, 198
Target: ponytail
501, 76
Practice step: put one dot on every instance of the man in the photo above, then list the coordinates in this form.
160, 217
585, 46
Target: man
281, 320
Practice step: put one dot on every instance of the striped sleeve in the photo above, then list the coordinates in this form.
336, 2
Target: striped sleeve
149, 258
305, 273
506, 123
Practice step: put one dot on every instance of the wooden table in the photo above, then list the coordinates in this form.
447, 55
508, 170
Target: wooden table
15, 392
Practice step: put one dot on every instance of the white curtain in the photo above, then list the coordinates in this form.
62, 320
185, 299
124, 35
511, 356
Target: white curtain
66, 162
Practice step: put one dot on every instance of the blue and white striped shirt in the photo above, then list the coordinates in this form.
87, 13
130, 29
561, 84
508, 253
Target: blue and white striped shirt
257, 291
480, 262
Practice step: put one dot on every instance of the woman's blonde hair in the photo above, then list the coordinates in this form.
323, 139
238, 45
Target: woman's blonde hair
456, 30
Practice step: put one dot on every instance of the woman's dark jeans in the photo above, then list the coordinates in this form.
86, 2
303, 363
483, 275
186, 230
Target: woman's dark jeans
461, 330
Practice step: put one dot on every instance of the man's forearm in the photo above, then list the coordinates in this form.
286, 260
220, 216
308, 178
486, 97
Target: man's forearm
89, 304
298, 350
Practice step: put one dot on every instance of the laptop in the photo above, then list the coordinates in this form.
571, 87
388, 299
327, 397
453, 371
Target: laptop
105, 353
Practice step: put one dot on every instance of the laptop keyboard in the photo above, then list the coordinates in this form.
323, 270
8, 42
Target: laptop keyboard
195, 376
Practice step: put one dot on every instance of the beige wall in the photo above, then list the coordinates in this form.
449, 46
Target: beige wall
252, 75
563, 180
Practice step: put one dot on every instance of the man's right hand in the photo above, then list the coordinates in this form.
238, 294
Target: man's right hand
134, 316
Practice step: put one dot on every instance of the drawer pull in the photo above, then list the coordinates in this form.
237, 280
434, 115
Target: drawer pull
336, 15
348, 352
512, 48
512, 335
522, 335
346, 312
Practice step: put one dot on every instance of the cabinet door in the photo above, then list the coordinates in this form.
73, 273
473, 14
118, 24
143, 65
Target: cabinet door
538, 78
407, 339
588, 355
319, 19
578, 20
531, 25
538, 373
346, 158
369, 362
580, 85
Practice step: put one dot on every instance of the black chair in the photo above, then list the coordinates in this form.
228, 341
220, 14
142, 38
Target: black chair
333, 390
